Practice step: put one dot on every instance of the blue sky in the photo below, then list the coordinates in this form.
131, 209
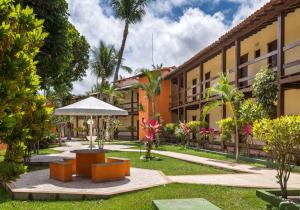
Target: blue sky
228, 9
180, 28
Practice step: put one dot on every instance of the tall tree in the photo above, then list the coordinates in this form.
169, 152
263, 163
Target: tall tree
21, 36
152, 87
104, 60
228, 95
131, 12
64, 57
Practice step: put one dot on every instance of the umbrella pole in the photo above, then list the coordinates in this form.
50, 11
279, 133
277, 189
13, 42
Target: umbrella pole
91, 133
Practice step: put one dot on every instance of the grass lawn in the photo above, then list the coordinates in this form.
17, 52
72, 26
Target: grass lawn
216, 156
48, 151
227, 198
170, 166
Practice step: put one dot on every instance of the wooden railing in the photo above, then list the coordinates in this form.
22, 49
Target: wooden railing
130, 107
185, 96
291, 64
246, 82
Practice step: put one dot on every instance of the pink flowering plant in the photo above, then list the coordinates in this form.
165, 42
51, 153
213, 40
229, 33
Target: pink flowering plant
206, 135
182, 132
151, 128
247, 132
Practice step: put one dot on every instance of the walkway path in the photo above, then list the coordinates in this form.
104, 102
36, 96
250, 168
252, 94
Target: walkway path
250, 177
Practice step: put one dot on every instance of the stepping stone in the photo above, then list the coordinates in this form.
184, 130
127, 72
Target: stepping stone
184, 204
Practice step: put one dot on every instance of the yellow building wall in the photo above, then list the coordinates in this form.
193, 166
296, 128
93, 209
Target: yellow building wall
230, 63
125, 122
292, 34
190, 76
215, 115
258, 41
191, 113
292, 102
228, 111
214, 67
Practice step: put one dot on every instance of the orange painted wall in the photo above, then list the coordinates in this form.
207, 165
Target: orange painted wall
162, 103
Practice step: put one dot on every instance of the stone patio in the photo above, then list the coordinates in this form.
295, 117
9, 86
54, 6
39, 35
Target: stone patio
37, 186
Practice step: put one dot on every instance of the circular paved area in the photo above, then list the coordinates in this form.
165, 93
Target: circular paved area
37, 186
249, 176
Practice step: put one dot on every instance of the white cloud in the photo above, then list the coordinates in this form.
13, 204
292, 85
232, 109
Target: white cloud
247, 8
175, 41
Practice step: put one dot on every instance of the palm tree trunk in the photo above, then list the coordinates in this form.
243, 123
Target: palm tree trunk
125, 34
153, 108
236, 141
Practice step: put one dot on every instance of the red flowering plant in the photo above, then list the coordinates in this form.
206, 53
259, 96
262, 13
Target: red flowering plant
151, 129
206, 135
247, 132
186, 130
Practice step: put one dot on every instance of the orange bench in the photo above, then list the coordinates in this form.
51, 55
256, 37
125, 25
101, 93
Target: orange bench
61, 171
123, 160
105, 172
73, 163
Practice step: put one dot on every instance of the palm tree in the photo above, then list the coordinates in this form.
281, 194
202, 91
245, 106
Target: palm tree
132, 12
228, 96
107, 92
152, 88
111, 94
104, 60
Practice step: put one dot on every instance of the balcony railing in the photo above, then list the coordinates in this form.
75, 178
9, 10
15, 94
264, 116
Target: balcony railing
291, 72
130, 107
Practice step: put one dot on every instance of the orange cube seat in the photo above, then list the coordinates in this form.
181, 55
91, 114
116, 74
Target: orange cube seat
123, 160
73, 163
61, 171
105, 172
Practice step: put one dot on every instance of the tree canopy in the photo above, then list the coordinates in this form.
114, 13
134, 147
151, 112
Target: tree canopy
131, 12
23, 113
64, 57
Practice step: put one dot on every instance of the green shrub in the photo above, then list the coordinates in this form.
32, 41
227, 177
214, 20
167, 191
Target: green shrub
195, 126
282, 139
265, 90
47, 141
23, 113
227, 128
250, 112
168, 130
179, 133
11, 170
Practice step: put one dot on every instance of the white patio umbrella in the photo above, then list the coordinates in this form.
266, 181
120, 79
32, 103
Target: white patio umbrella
90, 107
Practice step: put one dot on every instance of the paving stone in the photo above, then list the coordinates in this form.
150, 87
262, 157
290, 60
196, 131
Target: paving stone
21, 196
42, 196
43, 188
185, 204
251, 176
71, 196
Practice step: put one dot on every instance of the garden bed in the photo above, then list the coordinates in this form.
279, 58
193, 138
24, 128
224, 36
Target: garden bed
273, 198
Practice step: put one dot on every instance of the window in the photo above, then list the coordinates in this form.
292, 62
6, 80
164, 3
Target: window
257, 53
207, 83
181, 82
243, 71
194, 90
207, 120
272, 61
